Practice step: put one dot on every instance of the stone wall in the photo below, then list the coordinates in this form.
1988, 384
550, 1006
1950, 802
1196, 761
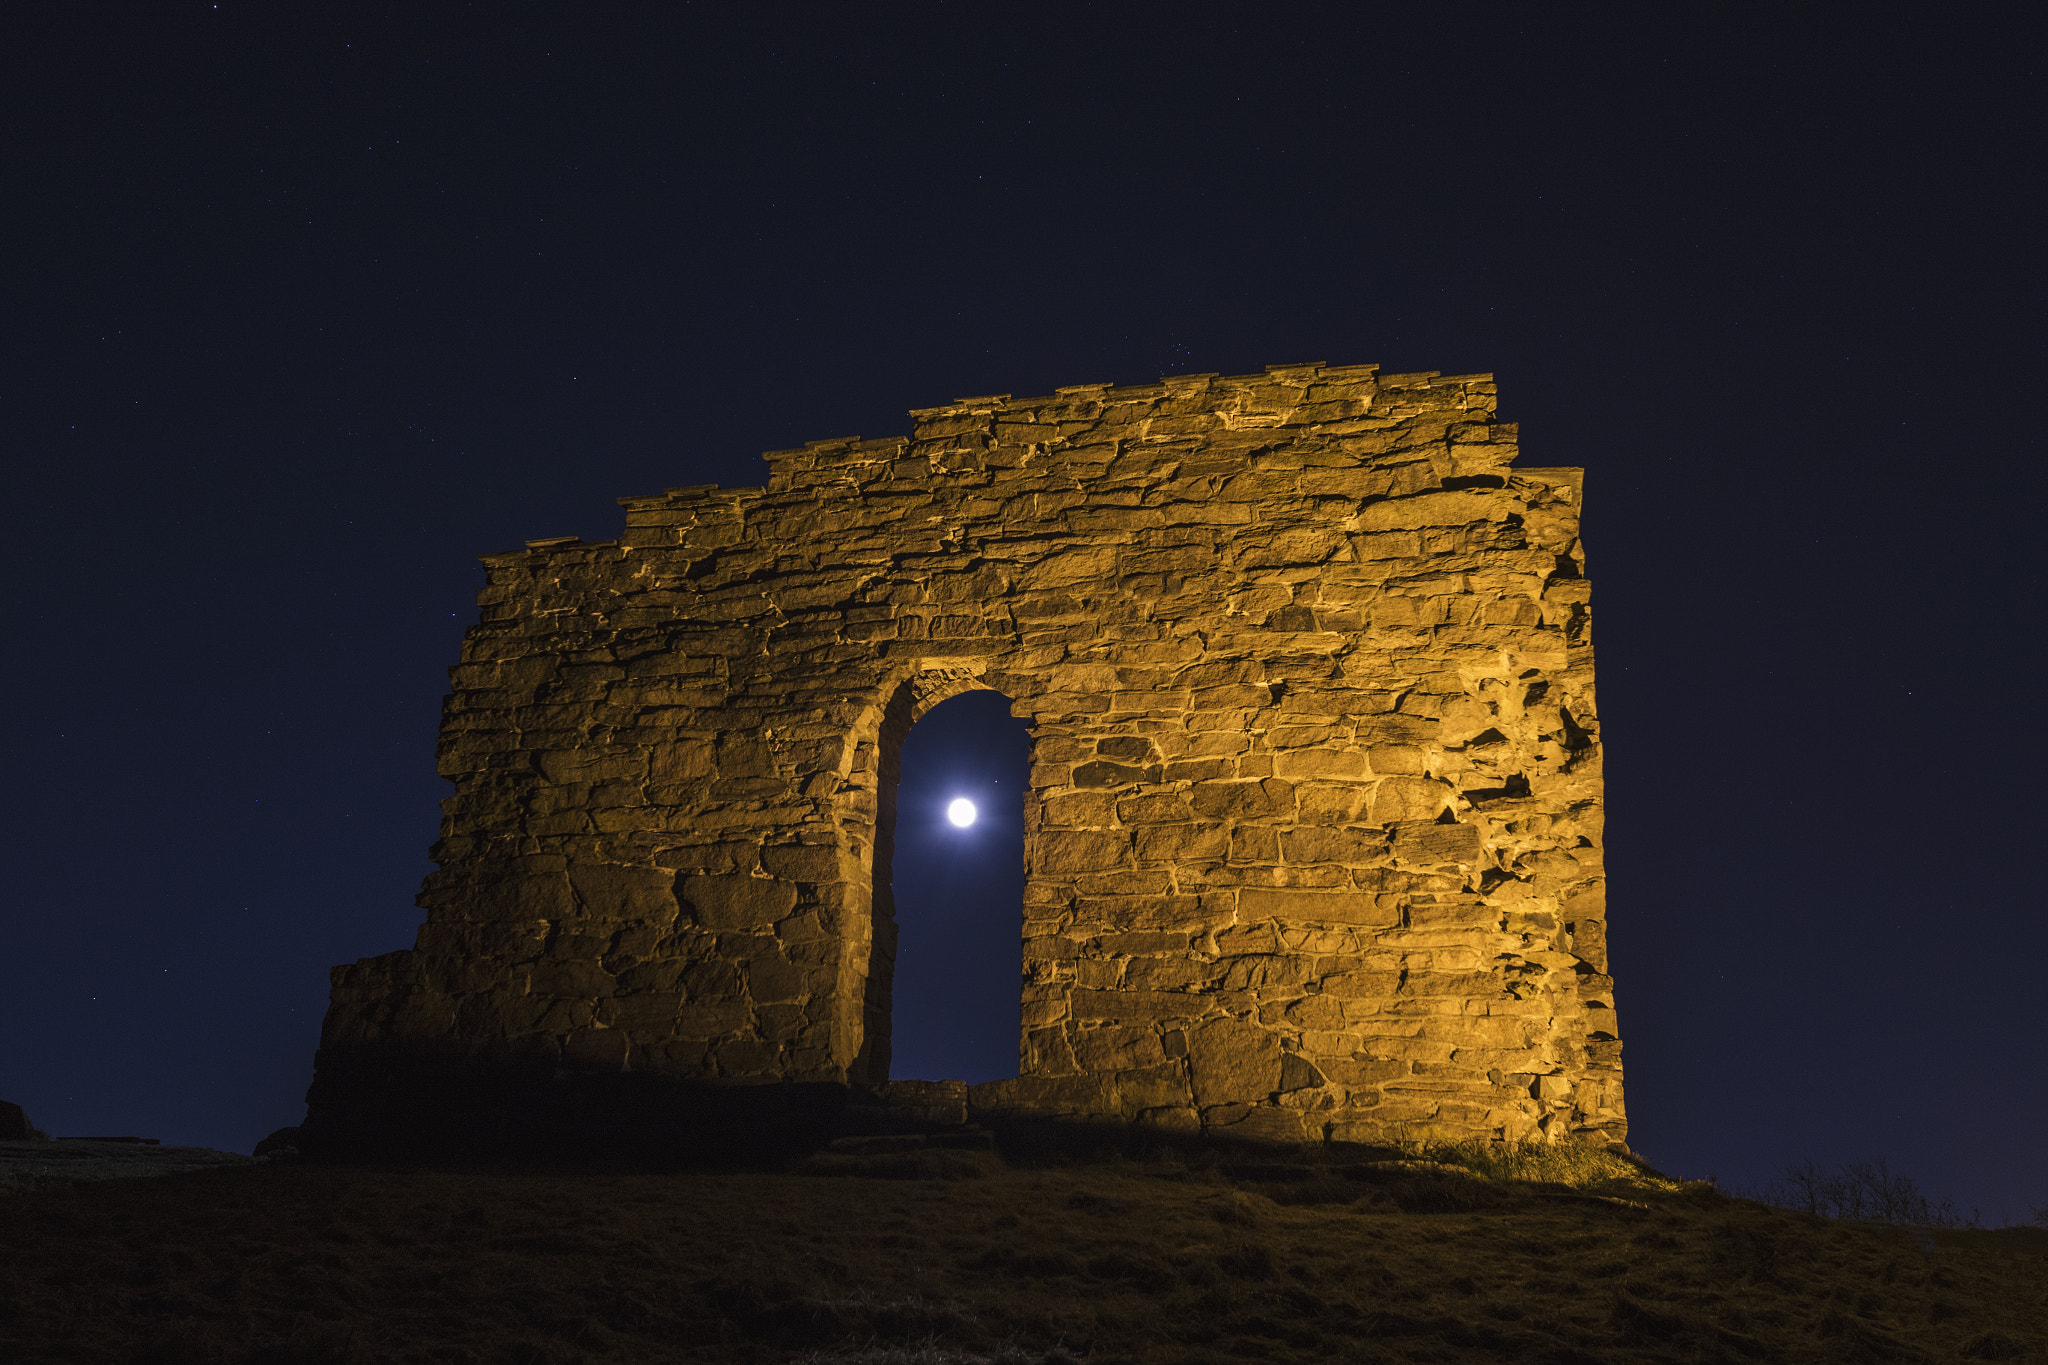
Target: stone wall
1313, 844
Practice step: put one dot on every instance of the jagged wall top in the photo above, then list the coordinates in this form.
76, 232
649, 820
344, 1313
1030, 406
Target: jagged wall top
1334, 400
1312, 840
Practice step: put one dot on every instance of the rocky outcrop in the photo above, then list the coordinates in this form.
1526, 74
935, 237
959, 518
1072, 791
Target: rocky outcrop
1313, 844
14, 1124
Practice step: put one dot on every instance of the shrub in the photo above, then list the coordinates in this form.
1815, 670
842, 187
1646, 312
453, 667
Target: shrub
1861, 1191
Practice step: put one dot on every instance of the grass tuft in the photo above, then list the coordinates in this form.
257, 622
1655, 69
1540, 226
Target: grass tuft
1574, 1165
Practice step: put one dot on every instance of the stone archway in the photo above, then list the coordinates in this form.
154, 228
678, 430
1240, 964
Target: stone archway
912, 700
979, 983
1313, 845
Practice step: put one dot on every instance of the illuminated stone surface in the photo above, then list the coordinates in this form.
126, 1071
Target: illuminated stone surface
1313, 840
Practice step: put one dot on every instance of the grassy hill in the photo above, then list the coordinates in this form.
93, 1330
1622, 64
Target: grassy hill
890, 1256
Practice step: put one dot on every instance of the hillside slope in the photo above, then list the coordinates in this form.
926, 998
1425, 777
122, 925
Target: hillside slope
951, 1256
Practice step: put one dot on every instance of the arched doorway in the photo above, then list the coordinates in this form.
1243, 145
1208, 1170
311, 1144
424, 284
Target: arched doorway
955, 884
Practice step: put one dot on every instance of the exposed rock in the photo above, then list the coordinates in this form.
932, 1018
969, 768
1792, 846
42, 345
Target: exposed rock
1313, 840
14, 1124
280, 1145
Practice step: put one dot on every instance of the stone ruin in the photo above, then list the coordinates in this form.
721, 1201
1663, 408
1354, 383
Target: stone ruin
1313, 839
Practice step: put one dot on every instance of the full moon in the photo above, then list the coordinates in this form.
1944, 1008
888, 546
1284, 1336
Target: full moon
961, 812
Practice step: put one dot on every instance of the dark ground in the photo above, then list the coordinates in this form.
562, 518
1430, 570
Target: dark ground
934, 1257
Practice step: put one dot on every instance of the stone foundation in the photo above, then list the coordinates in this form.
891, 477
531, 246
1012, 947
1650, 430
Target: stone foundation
1313, 841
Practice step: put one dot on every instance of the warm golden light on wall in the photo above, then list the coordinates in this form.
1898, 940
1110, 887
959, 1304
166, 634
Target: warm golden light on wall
1313, 838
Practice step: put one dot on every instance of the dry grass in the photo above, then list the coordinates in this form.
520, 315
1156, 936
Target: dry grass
1570, 1164
948, 1257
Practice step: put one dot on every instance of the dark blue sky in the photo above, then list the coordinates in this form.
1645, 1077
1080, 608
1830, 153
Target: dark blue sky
306, 306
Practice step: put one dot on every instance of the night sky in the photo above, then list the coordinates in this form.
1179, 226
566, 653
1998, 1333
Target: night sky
959, 892
304, 307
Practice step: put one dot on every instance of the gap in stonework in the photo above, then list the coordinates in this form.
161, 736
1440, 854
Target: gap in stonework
959, 893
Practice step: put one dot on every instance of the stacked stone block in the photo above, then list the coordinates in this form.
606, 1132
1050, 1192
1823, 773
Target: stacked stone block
1313, 840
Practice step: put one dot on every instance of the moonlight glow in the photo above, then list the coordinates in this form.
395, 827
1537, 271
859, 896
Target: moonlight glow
960, 812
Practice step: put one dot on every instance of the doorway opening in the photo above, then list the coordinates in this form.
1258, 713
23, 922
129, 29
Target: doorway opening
947, 975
